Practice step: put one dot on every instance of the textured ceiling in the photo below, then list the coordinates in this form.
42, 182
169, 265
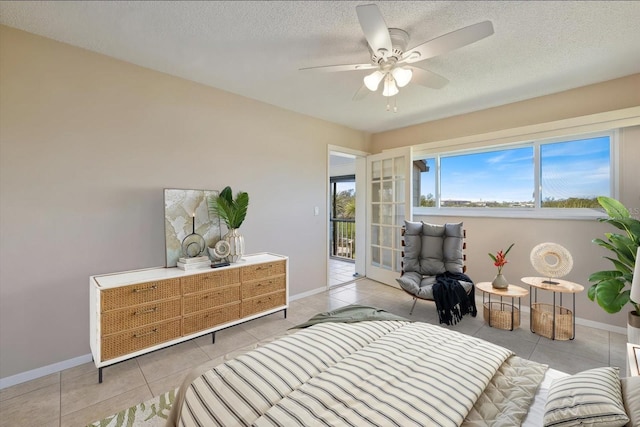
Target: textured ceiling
255, 49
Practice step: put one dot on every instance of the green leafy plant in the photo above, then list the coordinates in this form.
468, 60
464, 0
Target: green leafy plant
610, 289
232, 212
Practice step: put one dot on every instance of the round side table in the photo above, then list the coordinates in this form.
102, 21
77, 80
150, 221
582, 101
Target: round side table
501, 315
552, 320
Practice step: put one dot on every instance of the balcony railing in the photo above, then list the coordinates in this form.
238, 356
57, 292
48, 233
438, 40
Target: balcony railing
343, 238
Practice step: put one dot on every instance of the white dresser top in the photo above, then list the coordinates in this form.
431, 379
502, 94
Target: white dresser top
160, 273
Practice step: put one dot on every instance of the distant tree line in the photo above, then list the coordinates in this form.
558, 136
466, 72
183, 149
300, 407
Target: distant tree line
429, 201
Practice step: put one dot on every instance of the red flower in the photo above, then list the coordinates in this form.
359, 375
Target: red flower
500, 259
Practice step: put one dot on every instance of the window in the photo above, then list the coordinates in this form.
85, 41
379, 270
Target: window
574, 173
534, 177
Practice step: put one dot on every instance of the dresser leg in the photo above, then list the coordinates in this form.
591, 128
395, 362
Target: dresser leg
99, 375
213, 337
285, 313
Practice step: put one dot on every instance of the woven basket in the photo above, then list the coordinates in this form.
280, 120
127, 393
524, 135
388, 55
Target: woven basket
542, 321
500, 313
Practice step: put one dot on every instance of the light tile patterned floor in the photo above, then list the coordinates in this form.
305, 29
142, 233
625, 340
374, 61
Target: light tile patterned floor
341, 272
74, 397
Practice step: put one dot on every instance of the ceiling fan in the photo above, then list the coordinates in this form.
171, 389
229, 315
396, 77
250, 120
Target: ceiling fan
390, 58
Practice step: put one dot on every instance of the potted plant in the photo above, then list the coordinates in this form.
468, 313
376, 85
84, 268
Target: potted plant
499, 260
233, 213
609, 287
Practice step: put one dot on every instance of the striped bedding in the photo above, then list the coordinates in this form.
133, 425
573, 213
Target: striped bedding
378, 373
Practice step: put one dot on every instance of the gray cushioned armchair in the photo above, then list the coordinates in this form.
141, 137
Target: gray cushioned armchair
429, 250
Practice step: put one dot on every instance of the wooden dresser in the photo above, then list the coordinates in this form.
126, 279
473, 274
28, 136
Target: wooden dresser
136, 312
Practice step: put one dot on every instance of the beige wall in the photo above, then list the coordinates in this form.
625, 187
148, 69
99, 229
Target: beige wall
88, 144
492, 234
598, 98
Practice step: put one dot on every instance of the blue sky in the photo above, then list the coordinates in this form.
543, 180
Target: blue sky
569, 169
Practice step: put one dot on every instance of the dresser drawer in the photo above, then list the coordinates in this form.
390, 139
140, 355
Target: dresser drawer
140, 293
263, 303
137, 339
260, 271
209, 319
210, 299
264, 286
207, 281
140, 315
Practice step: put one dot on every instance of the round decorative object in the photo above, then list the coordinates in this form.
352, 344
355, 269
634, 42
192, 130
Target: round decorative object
222, 249
551, 260
193, 245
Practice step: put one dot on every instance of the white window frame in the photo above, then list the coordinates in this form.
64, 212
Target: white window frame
537, 212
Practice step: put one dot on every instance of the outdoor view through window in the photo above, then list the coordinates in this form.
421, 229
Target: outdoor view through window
571, 174
343, 213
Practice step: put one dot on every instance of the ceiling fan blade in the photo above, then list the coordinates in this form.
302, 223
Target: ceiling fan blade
361, 93
448, 42
333, 68
428, 78
374, 28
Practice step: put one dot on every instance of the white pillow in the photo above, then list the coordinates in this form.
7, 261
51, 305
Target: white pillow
592, 397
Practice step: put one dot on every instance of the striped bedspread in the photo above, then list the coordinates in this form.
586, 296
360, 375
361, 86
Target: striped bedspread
373, 373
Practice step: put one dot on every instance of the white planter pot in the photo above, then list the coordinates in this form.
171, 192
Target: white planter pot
236, 245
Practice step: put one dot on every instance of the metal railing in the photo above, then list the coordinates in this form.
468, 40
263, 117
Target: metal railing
343, 238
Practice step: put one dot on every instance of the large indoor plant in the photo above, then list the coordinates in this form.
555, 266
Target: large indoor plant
232, 212
609, 287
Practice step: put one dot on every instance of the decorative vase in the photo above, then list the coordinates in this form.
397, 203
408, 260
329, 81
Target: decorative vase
633, 328
236, 245
500, 282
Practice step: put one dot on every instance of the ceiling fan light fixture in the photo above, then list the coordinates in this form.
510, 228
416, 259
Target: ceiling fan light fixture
402, 76
372, 81
390, 87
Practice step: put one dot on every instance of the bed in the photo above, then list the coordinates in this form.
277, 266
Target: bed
354, 372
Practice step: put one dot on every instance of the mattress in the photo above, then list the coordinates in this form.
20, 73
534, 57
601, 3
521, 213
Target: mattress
389, 372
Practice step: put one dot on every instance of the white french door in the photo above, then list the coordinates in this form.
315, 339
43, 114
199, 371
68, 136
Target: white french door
388, 205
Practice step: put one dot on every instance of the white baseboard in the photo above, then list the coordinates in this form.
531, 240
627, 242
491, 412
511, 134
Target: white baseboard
44, 371
307, 294
70, 363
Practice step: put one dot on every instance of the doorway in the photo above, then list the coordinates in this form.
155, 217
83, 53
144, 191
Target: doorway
346, 217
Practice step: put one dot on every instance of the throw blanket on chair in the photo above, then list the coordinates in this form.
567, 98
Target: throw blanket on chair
452, 302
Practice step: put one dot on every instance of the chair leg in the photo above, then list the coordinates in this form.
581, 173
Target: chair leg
415, 300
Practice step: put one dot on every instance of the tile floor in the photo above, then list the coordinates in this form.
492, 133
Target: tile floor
74, 398
341, 272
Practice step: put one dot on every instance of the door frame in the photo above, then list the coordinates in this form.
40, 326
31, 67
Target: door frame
361, 205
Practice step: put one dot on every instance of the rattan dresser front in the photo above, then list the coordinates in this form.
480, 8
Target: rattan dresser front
140, 311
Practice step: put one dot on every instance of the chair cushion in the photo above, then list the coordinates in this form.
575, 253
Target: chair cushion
412, 246
422, 286
432, 249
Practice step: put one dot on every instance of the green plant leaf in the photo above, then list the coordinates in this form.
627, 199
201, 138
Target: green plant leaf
604, 275
609, 290
604, 244
508, 249
620, 266
610, 296
614, 208
232, 212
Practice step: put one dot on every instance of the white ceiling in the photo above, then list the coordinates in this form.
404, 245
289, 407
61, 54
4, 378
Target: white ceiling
255, 49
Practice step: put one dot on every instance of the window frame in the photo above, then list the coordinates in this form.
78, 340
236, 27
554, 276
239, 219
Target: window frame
537, 212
